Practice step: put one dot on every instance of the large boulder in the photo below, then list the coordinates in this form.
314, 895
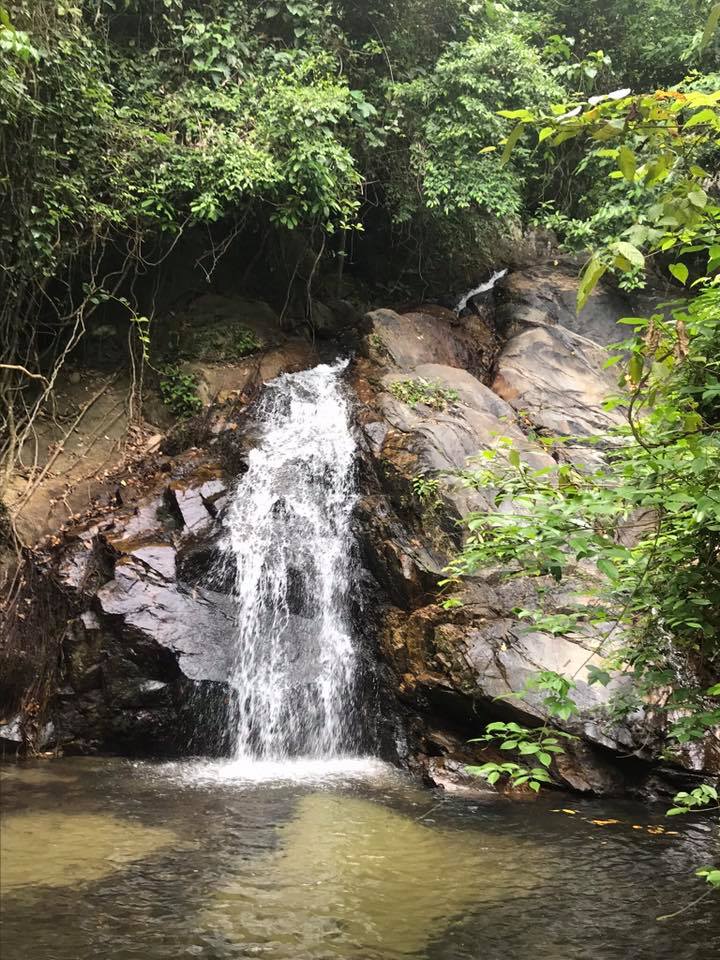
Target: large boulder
546, 295
557, 379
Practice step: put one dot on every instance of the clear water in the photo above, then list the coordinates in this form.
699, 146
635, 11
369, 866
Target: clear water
290, 549
346, 860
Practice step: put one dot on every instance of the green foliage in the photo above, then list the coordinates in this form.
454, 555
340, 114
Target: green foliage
179, 392
532, 745
711, 875
698, 799
429, 393
226, 341
650, 43
659, 590
451, 124
427, 490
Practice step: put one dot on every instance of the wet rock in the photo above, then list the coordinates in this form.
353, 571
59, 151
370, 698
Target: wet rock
411, 339
452, 777
451, 667
19, 732
444, 441
193, 625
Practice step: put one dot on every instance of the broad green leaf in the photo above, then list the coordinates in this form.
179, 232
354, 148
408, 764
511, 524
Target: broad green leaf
608, 568
702, 116
589, 279
630, 253
511, 141
679, 271
516, 114
627, 163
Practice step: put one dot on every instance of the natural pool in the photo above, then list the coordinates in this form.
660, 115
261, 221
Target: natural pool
117, 859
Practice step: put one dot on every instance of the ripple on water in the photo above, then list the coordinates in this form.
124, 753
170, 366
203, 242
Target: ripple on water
347, 861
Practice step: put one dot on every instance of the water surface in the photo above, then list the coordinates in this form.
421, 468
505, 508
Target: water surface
346, 860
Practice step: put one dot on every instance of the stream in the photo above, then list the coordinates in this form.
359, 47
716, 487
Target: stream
340, 859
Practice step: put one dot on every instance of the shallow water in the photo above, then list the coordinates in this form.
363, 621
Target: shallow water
348, 860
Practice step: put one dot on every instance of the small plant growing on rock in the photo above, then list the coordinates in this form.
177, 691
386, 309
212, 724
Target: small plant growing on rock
428, 392
536, 746
427, 490
245, 341
179, 392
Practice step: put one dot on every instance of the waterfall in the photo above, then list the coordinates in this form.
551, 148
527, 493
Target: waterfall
483, 288
289, 535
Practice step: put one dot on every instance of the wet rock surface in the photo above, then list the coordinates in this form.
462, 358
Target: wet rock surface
148, 646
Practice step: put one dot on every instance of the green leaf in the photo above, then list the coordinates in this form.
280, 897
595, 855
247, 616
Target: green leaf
590, 276
630, 253
627, 162
608, 568
598, 675
702, 116
635, 367
711, 25
522, 114
510, 143
514, 458
679, 271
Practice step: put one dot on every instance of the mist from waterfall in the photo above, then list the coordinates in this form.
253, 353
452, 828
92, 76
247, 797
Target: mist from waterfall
289, 537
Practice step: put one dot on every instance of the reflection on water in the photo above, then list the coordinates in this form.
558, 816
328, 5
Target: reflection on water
356, 878
107, 859
58, 849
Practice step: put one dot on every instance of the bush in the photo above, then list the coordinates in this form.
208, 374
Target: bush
179, 392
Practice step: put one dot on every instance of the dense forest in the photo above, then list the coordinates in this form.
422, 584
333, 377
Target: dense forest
395, 152
296, 137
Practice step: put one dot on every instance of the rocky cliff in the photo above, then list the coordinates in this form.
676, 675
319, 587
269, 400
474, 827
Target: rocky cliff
143, 647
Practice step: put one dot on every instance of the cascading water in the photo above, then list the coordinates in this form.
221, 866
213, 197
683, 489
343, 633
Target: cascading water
294, 674
476, 291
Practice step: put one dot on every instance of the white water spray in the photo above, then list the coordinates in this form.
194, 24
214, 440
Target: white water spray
289, 534
483, 288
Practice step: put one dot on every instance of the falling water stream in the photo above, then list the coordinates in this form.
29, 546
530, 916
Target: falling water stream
481, 288
290, 544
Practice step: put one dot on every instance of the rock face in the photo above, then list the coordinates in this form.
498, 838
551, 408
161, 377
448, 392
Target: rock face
146, 653
148, 648
451, 667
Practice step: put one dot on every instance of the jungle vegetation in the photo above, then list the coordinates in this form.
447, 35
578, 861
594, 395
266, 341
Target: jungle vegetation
313, 132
